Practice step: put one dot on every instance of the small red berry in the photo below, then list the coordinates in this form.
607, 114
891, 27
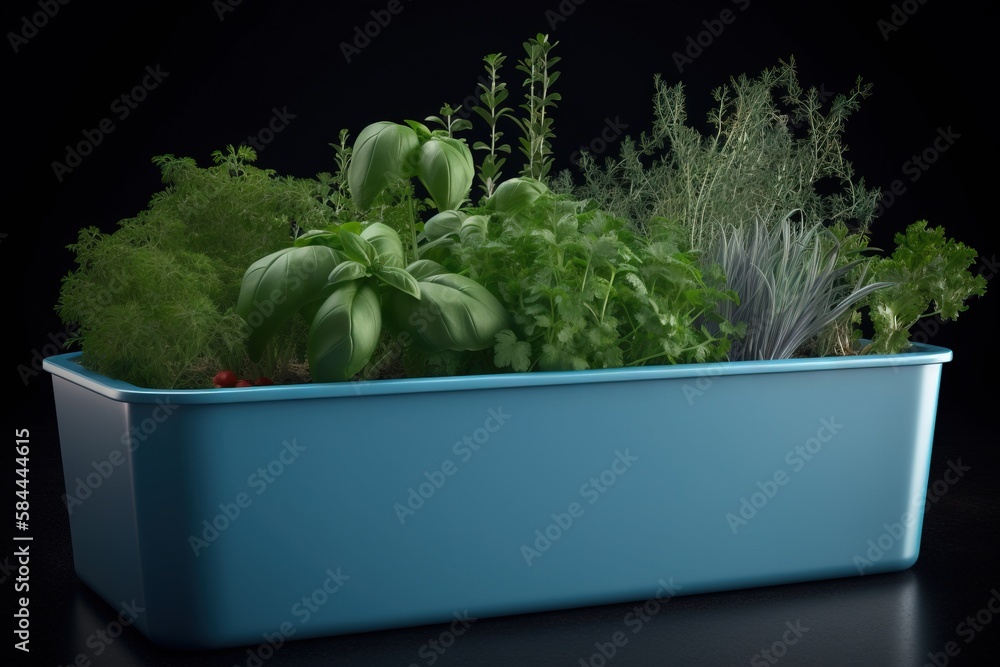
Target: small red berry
244, 383
263, 381
225, 379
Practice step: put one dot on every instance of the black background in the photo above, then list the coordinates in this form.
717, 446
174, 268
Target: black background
228, 68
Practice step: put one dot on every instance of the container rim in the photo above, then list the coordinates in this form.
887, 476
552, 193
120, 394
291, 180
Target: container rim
67, 367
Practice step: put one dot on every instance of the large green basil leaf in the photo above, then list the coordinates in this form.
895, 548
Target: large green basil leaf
399, 279
347, 271
446, 170
424, 268
443, 224
453, 312
385, 240
514, 195
384, 152
328, 236
275, 287
344, 332
474, 229
358, 248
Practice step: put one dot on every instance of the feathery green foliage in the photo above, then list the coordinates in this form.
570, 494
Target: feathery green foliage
154, 299
764, 153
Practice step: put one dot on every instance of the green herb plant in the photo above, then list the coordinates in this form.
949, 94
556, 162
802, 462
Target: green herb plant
155, 299
928, 276
771, 145
493, 96
792, 284
776, 148
536, 126
349, 279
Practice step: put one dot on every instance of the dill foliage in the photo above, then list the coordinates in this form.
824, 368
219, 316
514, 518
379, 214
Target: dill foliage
154, 300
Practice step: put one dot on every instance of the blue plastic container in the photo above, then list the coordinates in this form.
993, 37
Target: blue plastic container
248, 516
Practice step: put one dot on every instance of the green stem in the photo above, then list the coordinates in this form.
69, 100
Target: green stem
413, 228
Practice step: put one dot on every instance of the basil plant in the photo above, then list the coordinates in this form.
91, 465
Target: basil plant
351, 281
